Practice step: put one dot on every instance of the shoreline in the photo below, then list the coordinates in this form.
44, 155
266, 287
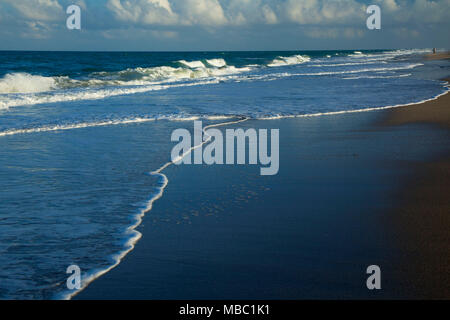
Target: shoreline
435, 111
438, 56
347, 114
136, 235
12, 132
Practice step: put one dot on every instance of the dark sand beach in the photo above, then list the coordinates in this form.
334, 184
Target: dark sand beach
424, 211
438, 56
225, 232
432, 112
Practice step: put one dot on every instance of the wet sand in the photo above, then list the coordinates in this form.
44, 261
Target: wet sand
438, 56
423, 215
432, 112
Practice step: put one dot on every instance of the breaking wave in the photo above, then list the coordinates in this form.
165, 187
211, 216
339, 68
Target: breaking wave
33, 99
27, 83
287, 61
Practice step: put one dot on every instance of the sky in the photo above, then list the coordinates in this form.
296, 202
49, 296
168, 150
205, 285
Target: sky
219, 25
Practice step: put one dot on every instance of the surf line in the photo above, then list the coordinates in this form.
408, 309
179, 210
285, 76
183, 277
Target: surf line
332, 113
136, 235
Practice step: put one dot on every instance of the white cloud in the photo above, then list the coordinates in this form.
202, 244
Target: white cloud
240, 12
323, 11
401, 13
36, 30
165, 19
203, 12
269, 16
389, 5
430, 11
41, 10
80, 3
163, 12
143, 11
247, 12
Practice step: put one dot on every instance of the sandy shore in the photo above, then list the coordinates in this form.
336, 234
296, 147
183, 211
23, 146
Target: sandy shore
310, 232
432, 112
438, 56
423, 217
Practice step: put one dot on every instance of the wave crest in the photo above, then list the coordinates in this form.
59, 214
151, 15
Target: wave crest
287, 61
27, 83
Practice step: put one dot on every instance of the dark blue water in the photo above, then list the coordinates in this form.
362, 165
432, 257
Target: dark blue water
72, 187
60, 89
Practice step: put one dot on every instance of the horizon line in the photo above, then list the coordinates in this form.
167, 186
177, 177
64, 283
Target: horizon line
197, 51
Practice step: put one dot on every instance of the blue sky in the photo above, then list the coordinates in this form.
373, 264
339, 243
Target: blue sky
165, 25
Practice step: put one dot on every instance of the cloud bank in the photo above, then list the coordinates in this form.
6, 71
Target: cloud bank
242, 21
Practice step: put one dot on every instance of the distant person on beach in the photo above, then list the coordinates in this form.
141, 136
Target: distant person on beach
434, 50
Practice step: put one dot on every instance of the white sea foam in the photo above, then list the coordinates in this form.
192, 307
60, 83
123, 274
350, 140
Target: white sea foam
111, 122
287, 61
405, 67
357, 54
386, 55
134, 237
26, 83
330, 113
145, 76
192, 64
379, 77
220, 117
347, 64
274, 76
218, 63
62, 127
32, 99
400, 52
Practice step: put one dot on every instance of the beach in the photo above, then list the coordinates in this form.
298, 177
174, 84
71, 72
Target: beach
86, 179
438, 56
423, 213
353, 190
190, 153
432, 112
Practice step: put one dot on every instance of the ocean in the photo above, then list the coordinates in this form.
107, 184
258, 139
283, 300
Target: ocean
81, 134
